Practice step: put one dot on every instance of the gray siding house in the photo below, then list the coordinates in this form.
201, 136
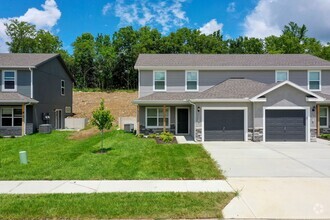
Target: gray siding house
281, 97
35, 89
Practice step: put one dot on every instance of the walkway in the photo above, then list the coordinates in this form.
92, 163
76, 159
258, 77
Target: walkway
107, 186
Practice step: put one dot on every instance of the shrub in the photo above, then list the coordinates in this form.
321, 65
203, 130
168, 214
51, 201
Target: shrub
152, 135
166, 137
140, 135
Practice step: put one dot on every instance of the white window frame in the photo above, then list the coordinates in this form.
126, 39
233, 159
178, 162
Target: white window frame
12, 117
281, 71
158, 126
327, 117
3, 81
154, 80
320, 80
186, 81
62, 87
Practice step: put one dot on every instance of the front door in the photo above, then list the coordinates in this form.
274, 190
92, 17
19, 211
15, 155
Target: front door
182, 120
58, 119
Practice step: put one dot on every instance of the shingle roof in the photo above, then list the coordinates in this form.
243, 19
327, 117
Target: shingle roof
15, 97
234, 88
8, 60
229, 60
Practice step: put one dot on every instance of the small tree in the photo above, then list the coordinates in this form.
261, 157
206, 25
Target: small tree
102, 118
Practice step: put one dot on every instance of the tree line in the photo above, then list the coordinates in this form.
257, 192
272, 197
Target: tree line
107, 62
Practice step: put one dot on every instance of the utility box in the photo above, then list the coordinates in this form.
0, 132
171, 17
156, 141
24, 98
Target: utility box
45, 128
23, 157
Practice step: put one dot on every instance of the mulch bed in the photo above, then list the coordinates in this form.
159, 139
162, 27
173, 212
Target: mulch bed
159, 141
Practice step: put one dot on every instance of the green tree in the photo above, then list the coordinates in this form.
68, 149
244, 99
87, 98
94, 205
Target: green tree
45, 42
293, 29
102, 119
22, 36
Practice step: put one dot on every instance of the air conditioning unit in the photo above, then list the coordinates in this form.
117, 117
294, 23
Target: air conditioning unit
45, 128
129, 127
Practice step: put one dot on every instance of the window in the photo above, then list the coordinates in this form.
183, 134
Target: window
9, 80
191, 80
62, 87
281, 75
154, 117
159, 80
11, 117
324, 117
314, 80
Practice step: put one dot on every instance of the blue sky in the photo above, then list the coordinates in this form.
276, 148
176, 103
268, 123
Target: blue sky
255, 18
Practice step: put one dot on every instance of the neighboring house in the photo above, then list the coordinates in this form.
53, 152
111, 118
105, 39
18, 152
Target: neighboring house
265, 97
35, 89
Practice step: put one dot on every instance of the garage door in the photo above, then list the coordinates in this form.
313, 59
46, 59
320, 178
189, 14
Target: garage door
285, 125
223, 125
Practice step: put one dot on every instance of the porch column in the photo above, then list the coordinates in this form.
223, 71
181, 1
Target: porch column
318, 120
23, 119
138, 119
164, 118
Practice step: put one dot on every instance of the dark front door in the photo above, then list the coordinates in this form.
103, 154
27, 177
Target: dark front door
183, 121
285, 125
224, 125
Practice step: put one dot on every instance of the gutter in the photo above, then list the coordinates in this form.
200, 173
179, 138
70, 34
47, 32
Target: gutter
166, 102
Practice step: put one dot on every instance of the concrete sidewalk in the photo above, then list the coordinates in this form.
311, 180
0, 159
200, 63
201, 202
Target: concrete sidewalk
107, 186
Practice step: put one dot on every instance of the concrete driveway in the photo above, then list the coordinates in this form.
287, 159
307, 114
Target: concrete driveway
251, 159
276, 180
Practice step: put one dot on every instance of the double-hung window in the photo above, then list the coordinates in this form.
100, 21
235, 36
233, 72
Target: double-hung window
281, 75
9, 80
62, 87
160, 80
155, 117
314, 80
11, 117
324, 114
191, 80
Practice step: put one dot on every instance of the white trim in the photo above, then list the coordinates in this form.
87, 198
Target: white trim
176, 120
281, 71
291, 84
146, 117
158, 102
327, 125
31, 70
307, 116
15, 81
245, 109
139, 84
220, 100
165, 81
62, 87
197, 81
230, 67
320, 80
12, 116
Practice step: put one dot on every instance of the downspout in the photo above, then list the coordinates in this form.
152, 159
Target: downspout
31, 70
195, 109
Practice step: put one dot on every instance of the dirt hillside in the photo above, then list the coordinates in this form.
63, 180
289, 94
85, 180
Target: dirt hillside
119, 103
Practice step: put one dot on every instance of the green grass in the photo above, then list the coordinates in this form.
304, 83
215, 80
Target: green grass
55, 157
114, 205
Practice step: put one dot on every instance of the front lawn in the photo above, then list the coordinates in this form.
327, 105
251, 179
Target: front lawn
55, 157
114, 205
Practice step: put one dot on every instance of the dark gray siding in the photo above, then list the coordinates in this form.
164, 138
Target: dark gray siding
23, 82
47, 90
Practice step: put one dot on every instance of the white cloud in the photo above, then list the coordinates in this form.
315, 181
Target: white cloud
270, 16
231, 7
166, 14
106, 8
210, 27
43, 19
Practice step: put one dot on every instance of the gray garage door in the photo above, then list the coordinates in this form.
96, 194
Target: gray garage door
223, 125
285, 125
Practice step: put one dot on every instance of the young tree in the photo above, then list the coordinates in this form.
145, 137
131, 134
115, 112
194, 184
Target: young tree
103, 119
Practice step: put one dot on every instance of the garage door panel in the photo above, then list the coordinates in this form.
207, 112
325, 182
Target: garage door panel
224, 125
285, 125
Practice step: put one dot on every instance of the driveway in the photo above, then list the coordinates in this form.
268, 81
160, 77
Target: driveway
251, 159
276, 180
